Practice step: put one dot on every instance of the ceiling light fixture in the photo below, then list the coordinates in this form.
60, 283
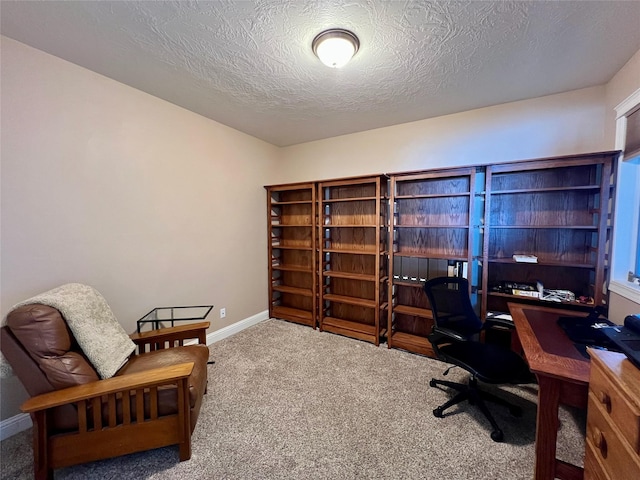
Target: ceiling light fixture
335, 47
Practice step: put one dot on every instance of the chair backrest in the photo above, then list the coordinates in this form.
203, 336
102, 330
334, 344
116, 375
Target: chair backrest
451, 305
45, 356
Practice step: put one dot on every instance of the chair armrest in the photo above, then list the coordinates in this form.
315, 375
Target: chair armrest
498, 322
160, 338
439, 333
110, 386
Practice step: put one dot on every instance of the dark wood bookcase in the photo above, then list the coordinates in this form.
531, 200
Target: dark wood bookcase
292, 252
352, 235
432, 234
352, 255
558, 210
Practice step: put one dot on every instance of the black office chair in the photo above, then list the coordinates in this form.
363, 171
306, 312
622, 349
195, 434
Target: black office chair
455, 340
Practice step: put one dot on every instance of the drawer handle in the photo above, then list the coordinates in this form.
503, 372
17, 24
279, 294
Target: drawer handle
605, 400
600, 442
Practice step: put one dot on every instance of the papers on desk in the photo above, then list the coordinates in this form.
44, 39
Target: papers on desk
500, 316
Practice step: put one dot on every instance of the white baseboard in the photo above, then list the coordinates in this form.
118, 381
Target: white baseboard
237, 327
15, 424
22, 421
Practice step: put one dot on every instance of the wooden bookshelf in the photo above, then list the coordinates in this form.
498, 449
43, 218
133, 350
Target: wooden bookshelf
292, 253
352, 277
431, 234
559, 210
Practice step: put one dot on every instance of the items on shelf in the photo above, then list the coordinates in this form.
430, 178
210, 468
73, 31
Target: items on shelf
525, 293
521, 258
558, 296
511, 287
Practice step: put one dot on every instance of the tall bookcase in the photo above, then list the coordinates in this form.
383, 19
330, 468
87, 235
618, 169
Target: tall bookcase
352, 235
292, 252
559, 211
432, 234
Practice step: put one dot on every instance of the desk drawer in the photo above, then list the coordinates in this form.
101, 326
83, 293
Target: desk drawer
615, 406
604, 442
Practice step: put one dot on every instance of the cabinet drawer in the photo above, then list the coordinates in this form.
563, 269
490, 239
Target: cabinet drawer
610, 451
593, 469
616, 408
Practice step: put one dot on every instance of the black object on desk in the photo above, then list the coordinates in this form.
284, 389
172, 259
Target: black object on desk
588, 331
627, 338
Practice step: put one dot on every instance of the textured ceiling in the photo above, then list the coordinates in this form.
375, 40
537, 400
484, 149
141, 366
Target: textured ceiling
249, 64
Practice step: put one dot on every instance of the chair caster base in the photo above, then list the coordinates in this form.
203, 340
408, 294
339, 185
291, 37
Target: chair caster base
438, 413
497, 435
432, 383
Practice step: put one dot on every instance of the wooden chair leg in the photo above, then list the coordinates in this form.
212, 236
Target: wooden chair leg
185, 450
41, 470
184, 419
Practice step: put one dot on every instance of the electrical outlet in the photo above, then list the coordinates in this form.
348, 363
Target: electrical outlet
223, 312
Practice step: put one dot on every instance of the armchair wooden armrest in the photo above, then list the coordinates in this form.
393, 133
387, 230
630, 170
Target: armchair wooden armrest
170, 336
110, 386
115, 416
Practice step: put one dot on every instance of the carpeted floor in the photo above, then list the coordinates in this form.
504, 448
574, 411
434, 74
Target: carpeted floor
286, 401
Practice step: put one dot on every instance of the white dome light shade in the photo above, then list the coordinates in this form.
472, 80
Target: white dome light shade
335, 47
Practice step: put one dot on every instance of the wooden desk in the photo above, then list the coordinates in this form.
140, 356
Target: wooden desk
563, 377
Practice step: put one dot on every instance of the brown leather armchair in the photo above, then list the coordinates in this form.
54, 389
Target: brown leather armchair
152, 401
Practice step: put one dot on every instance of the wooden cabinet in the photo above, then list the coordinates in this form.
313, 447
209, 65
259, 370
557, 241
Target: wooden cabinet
292, 252
558, 210
352, 235
432, 234
613, 418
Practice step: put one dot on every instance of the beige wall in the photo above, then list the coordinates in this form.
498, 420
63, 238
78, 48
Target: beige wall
567, 123
623, 84
621, 307
151, 204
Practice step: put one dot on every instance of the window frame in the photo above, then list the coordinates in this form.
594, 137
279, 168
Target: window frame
626, 234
